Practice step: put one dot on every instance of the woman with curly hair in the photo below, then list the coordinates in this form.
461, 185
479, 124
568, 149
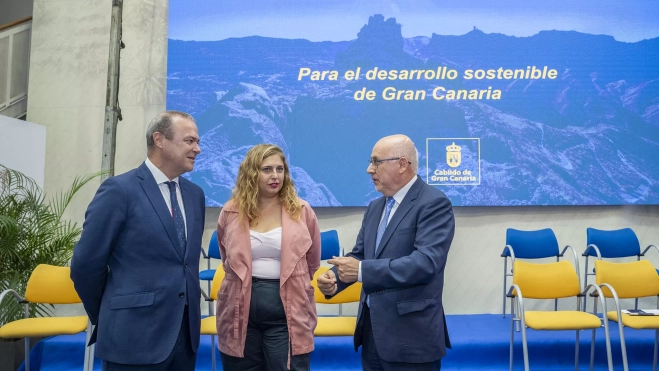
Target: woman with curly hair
270, 246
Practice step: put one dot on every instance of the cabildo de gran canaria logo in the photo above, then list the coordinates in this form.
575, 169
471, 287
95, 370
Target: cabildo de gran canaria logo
453, 157
453, 161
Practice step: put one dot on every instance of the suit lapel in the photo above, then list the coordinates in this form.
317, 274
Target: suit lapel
152, 191
189, 209
408, 202
371, 234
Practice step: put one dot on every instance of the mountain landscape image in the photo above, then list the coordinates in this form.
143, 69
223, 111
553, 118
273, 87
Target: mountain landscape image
590, 136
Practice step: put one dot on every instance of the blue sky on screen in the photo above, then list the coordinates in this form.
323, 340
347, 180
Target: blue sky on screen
340, 20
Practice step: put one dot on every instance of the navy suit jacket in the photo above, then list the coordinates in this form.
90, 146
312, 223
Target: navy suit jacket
404, 279
128, 268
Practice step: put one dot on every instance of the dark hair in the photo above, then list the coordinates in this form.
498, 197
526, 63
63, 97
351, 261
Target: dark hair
162, 123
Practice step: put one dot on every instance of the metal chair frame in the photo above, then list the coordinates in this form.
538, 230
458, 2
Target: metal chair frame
598, 255
508, 252
621, 327
520, 320
89, 350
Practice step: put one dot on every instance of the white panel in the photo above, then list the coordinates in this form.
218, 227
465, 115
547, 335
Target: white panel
23, 147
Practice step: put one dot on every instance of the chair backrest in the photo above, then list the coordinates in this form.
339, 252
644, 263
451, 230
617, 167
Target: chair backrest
51, 284
217, 282
546, 281
349, 295
612, 244
532, 244
214, 247
329, 244
630, 280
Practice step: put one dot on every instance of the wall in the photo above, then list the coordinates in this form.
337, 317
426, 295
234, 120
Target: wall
67, 94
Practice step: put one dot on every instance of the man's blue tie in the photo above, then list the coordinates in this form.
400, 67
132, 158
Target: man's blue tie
179, 223
384, 222
381, 229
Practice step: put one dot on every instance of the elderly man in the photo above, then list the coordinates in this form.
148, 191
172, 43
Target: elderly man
399, 257
136, 266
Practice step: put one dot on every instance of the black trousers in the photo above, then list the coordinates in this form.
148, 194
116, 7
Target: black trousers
182, 358
266, 346
371, 360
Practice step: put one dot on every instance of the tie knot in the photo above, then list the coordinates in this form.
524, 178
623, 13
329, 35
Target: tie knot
390, 202
171, 185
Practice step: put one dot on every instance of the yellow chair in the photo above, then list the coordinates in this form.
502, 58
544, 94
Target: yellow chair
47, 285
208, 326
552, 281
336, 325
629, 281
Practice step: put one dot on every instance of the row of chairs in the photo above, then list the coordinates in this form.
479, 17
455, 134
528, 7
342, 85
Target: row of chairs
562, 280
52, 285
607, 244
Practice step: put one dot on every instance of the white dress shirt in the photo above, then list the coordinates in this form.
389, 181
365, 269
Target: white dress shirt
161, 178
398, 198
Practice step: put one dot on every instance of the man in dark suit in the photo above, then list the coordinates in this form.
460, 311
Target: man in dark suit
136, 266
399, 257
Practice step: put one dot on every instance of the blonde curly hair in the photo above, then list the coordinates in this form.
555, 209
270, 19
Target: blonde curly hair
246, 193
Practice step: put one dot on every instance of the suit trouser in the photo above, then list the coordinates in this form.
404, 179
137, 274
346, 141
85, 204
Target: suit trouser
182, 357
371, 360
266, 345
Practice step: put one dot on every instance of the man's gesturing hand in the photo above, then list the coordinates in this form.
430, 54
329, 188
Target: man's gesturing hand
327, 283
348, 268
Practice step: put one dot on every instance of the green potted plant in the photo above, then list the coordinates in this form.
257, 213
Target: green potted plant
32, 232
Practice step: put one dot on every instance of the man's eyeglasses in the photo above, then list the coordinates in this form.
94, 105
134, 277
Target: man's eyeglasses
376, 162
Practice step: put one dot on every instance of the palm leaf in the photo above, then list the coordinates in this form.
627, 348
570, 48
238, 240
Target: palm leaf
32, 232
62, 200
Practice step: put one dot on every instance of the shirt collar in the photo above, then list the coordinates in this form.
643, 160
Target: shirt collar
158, 175
400, 195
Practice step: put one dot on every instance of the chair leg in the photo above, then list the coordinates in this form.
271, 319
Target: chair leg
585, 284
576, 353
518, 323
656, 342
27, 353
525, 347
213, 351
210, 303
607, 341
592, 349
623, 347
512, 335
89, 350
505, 267
85, 365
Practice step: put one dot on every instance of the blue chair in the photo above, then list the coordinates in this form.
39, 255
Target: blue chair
609, 244
329, 244
528, 245
213, 252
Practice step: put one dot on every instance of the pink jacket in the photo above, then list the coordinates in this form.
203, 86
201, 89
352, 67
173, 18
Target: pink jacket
300, 258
